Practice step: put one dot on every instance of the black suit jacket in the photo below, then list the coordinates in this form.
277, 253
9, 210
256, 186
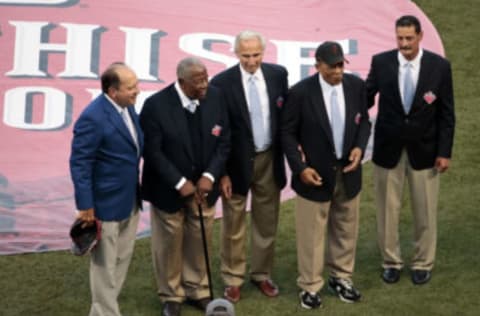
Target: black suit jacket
305, 122
168, 151
240, 161
427, 130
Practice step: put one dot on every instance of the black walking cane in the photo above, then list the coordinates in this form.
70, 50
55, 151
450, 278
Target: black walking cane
205, 250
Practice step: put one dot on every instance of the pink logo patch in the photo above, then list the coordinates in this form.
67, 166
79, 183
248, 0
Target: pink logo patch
279, 102
358, 117
429, 97
216, 130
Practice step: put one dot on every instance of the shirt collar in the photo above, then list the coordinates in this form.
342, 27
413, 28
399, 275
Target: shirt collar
115, 105
186, 101
414, 62
246, 75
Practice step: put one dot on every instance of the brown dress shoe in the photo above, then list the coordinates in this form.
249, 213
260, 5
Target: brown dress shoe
267, 287
232, 293
171, 309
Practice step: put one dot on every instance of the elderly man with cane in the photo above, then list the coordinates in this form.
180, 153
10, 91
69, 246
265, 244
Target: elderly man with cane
187, 141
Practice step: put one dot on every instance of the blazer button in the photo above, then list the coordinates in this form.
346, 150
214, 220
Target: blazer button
406, 121
334, 168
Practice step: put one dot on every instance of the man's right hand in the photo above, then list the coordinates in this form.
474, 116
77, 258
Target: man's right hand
187, 189
309, 176
226, 187
87, 216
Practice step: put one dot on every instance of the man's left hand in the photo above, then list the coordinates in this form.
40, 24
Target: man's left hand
442, 164
355, 159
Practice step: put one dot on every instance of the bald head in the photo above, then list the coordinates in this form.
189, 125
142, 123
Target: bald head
120, 83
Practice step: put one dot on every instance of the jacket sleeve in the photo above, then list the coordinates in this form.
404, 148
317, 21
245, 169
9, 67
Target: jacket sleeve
87, 138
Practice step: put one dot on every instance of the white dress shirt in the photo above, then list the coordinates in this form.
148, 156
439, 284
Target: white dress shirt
327, 92
415, 70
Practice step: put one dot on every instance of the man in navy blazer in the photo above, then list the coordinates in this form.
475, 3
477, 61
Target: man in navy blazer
104, 164
187, 141
256, 165
413, 140
325, 130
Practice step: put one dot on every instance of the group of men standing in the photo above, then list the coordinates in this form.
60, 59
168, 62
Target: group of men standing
228, 138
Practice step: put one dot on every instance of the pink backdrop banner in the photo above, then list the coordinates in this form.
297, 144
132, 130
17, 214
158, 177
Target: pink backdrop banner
53, 52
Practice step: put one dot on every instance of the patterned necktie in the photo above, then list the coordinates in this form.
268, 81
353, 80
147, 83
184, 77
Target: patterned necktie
256, 115
338, 124
408, 88
130, 127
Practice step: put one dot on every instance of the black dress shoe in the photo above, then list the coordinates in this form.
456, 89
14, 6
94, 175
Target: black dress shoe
201, 304
421, 276
391, 275
171, 309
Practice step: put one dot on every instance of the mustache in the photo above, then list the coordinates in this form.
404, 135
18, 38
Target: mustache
405, 47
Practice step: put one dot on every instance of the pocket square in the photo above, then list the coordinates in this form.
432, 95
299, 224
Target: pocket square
216, 130
429, 97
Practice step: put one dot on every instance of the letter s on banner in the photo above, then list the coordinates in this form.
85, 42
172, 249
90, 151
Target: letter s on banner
18, 107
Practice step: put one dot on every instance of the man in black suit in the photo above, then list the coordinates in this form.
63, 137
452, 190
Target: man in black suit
325, 130
413, 140
187, 141
255, 92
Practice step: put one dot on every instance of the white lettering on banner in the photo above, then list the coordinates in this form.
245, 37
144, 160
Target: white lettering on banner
294, 56
142, 51
81, 51
199, 44
18, 107
31, 45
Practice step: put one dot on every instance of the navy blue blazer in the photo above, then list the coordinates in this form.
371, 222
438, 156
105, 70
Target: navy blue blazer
169, 155
305, 122
426, 132
104, 161
240, 162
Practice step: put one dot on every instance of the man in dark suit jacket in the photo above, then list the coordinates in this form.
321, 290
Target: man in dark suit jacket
106, 150
413, 139
187, 141
325, 130
255, 164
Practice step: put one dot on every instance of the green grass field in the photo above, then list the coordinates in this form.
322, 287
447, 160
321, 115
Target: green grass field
57, 283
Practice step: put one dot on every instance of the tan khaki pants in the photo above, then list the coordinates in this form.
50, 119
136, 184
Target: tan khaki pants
265, 202
423, 186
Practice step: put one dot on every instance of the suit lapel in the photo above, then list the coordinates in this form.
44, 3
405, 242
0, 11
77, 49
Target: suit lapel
177, 113
394, 71
136, 124
270, 83
319, 107
240, 97
116, 120
422, 81
350, 112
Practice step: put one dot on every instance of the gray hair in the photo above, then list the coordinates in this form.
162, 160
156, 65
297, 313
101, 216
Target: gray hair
247, 35
185, 65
